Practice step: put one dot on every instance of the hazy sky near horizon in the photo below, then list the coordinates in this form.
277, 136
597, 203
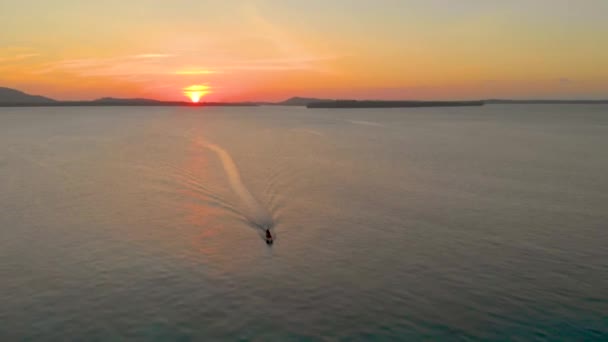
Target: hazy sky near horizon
272, 49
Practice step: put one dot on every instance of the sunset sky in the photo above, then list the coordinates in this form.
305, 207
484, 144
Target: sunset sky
274, 49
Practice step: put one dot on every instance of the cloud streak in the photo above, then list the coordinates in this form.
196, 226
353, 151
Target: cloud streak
152, 55
18, 57
147, 66
196, 72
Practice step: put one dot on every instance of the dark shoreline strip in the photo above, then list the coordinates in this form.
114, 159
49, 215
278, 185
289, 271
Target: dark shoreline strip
122, 104
392, 104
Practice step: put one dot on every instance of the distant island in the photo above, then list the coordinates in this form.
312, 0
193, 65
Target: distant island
15, 98
498, 101
336, 103
301, 101
391, 104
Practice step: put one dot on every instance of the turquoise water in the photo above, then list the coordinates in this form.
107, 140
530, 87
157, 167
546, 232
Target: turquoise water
399, 224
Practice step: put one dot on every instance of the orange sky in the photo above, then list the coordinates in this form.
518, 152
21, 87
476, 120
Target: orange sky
271, 49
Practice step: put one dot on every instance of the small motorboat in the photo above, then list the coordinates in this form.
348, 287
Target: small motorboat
268, 237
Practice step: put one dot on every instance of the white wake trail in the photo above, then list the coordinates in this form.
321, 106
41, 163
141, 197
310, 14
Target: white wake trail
257, 214
309, 131
365, 123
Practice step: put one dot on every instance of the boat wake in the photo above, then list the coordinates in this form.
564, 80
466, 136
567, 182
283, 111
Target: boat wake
256, 215
365, 123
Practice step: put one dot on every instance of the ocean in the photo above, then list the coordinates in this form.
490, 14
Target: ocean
147, 223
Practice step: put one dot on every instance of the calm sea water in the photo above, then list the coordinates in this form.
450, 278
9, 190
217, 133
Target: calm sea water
432, 223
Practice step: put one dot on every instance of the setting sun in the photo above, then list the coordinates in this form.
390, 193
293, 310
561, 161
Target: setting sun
196, 92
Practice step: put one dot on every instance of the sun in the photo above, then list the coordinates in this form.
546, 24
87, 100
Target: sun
196, 92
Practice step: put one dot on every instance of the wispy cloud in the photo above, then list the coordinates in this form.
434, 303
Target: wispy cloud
282, 53
136, 67
282, 64
26, 56
532, 82
196, 72
126, 66
7, 58
152, 55
291, 54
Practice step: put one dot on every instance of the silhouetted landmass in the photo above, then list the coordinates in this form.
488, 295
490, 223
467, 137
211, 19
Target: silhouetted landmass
498, 101
391, 104
329, 103
15, 98
126, 103
111, 101
326, 103
12, 95
301, 101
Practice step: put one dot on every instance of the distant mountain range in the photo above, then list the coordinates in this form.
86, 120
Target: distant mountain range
8, 95
15, 98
